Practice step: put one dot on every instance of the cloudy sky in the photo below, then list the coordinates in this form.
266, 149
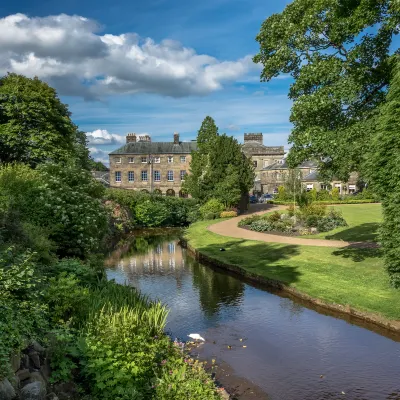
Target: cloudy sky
154, 66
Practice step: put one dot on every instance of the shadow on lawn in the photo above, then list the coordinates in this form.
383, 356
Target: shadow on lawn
359, 233
256, 258
358, 254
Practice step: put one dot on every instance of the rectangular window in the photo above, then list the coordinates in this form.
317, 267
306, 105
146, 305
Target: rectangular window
324, 186
183, 174
117, 176
144, 176
183, 159
255, 164
117, 160
157, 176
170, 176
157, 160
144, 160
131, 160
170, 159
131, 176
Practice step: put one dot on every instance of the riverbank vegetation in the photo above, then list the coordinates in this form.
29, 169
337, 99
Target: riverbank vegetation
349, 276
103, 340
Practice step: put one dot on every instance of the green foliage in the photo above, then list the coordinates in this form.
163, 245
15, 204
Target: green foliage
303, 200
323, 195
384, 173
151, 213
213, 206
313, 194
22, 315
293, 184
218, 168
249, 220
281, 193
335, 194
339, 54
332, 220
97, 166
35, 126
170, 211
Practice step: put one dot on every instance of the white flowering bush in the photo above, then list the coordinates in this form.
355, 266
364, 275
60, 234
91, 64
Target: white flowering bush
70, 200
63, 200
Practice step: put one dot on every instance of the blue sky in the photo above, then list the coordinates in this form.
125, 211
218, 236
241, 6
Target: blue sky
184, 36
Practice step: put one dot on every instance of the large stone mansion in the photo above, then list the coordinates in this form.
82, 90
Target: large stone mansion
154, 167
161, 167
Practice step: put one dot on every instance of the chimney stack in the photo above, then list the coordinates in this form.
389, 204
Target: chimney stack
131, 138
176, 138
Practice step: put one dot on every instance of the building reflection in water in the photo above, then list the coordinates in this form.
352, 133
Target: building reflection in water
159, 256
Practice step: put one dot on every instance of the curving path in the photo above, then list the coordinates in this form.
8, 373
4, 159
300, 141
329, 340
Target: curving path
229, 228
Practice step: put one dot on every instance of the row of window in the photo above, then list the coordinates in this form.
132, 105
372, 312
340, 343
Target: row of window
144, 176
146, 160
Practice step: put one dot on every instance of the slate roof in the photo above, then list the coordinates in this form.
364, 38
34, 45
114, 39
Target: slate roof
312, 177
305, 164
156, 148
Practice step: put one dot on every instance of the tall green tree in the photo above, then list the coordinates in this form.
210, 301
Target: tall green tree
196, 183
35, 126
384, 174
339, 54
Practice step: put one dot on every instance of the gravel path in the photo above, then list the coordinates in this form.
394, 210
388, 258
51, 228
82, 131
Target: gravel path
229, 228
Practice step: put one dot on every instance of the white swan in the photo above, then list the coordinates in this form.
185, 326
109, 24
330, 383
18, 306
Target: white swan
196, 336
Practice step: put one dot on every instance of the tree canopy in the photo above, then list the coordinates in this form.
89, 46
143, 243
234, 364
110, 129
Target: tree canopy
35, 126
339, 54
383, 170
219, 169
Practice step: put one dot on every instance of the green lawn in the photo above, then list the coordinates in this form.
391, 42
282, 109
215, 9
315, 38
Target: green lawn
363, 221
344, 276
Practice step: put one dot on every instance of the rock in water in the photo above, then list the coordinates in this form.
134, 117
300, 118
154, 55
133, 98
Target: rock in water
33, 391
7, 392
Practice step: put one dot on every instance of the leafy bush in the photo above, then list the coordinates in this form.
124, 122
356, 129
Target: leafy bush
290, 210
151, 214
332, 220
281, 193
228, 214
212, 206
312, 221
170, 211
335, 194
261, 226
318, 210
249, 220
273, 217
323, 195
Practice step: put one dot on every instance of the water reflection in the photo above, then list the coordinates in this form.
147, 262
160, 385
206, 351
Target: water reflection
292, 353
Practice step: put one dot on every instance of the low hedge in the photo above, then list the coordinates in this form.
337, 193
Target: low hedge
327, 202
228, 214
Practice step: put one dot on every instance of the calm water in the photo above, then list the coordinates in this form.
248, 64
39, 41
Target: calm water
288, 346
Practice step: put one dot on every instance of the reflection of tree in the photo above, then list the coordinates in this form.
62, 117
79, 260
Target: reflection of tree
215, 289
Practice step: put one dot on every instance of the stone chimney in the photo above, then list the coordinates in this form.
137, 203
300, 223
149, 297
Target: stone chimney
176, 138
131, 138
253, 137
144, 138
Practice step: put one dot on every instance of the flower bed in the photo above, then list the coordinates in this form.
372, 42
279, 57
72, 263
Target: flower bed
307, 220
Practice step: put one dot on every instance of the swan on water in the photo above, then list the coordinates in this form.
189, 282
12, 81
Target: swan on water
196, 336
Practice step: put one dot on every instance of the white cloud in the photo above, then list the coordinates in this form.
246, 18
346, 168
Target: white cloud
68, 52
99, 155
102, 136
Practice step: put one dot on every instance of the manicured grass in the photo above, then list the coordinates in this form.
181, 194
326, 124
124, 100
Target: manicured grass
344, 276
363, 221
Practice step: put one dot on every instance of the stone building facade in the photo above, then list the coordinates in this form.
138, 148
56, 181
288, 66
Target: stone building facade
158, 167
261, 156
275, 175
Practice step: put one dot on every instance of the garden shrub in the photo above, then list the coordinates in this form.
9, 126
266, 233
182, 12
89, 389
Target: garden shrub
249, 220
290, 210
335, 194
261, 225
212, 206
273, 217
151, 214
323, 195
228, 214
332, 220
281, 193
312, 221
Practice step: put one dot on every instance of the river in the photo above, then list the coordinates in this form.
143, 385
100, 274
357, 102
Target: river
292, 352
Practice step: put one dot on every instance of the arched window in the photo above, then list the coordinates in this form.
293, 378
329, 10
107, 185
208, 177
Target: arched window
170, 192
157, 192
